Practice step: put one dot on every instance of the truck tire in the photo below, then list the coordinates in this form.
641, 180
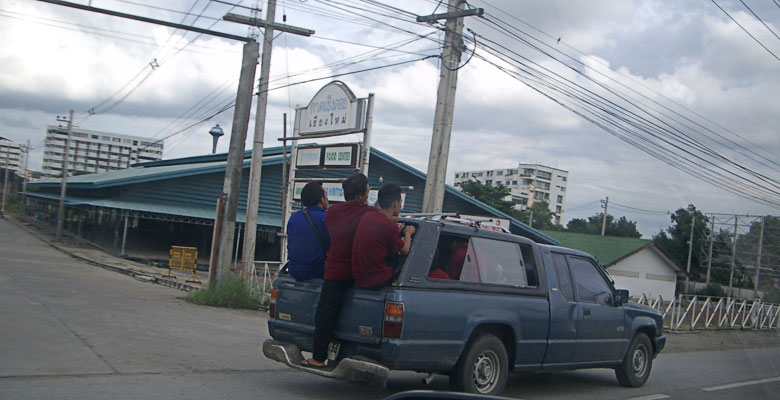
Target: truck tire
482, 368
635, 369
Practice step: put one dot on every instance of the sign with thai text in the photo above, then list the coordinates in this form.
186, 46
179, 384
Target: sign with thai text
334, 108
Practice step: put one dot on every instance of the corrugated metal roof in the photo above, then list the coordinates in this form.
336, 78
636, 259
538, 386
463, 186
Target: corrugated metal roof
606, 249
133, 175
215, 163
206, 213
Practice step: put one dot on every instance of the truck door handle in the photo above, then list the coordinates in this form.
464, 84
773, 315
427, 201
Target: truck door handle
586, 312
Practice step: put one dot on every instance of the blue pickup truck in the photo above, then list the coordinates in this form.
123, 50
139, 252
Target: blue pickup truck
498, 303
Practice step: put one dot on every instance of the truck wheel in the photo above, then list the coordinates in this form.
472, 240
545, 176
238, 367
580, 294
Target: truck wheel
483, 368
635, 369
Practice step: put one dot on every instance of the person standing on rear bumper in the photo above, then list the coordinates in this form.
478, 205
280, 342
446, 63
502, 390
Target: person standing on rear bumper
341, 220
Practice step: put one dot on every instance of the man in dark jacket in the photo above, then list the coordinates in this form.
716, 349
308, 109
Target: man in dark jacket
342, 220
308, 239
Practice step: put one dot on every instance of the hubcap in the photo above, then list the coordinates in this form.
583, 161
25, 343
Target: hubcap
640, 360
486, 371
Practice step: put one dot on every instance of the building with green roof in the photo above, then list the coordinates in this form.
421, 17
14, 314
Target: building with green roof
634, 264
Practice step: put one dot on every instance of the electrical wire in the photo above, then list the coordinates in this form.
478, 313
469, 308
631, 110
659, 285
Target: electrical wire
760, 20
746, 31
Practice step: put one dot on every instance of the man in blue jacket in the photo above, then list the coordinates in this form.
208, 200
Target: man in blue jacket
307, 234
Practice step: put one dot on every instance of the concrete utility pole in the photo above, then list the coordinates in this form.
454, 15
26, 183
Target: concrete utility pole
433, 196
63, 185
758, 258
256, 169
24, 180
709, 253
604, 219
690, 250
5, 183
734, 251
225, 221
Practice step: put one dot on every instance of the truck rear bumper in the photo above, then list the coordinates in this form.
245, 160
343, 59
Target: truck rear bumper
348, 368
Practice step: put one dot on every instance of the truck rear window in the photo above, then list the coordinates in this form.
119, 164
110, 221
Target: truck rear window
484, 261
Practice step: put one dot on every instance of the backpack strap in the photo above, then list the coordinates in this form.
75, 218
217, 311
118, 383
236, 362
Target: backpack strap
314, 227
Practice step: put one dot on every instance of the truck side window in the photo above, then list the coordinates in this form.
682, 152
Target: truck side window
564, 277
499, 262
450, 257
590, 283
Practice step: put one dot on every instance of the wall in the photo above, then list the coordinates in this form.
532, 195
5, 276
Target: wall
647, 269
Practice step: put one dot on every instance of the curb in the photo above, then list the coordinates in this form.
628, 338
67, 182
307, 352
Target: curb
140, 276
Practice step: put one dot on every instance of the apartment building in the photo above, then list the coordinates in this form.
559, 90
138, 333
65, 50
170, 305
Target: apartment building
11, 155
95, 151
526, 183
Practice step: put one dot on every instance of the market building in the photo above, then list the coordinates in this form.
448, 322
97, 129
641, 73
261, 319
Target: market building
149, 207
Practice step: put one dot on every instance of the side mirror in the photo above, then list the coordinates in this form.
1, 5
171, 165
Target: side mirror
622, 297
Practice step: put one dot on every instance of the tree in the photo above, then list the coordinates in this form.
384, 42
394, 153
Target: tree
491, 195
622, 227
542, 216
675, 242
494, 196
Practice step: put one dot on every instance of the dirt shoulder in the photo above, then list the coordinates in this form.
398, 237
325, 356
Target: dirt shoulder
686, 342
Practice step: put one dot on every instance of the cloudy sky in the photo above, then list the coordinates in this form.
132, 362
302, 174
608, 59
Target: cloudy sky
712, 87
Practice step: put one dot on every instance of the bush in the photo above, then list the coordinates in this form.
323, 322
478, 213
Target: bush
713, 289
232, 292
772, 296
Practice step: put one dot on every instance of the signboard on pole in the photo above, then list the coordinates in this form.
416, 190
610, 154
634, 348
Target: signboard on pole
334, 108
333, 189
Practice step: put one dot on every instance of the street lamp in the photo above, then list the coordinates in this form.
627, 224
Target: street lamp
215, 132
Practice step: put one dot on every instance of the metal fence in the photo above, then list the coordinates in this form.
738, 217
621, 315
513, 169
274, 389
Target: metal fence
696, 312
262, 275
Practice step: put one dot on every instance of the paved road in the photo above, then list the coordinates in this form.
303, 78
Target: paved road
72, 330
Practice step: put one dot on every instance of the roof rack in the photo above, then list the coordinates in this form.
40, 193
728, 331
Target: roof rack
488, 223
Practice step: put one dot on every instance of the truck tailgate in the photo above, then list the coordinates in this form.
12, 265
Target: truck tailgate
360, 321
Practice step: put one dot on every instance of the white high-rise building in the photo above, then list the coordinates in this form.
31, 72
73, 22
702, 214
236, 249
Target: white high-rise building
95, 151
526, 183
11, 155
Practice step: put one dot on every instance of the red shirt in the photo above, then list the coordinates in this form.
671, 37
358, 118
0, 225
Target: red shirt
437, 273
456, 261
342, 221
376, 237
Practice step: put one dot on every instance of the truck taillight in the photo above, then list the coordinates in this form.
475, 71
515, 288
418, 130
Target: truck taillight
394, 320
272, 304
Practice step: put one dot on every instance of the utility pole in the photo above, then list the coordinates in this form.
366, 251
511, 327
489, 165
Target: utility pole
690, 251
758, 258
433, 196
709, 253
63, 185
24, 180
5, 182
225, 222
604, 219
734, 251
531, 219
256, 169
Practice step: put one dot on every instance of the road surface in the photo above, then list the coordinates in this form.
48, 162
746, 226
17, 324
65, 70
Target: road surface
71, 330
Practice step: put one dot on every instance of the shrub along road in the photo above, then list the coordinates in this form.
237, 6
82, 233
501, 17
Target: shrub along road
72, 330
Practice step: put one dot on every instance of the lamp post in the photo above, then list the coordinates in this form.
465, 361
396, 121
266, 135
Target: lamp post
216, 132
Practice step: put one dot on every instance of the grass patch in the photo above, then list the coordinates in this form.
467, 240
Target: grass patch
232, 292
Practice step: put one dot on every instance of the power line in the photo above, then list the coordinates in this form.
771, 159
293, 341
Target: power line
759, 19
746, 31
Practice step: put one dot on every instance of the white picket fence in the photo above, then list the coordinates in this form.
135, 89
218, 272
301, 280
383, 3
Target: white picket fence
687, 312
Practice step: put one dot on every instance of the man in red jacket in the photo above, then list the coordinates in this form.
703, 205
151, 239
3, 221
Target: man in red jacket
342, 221
377, 238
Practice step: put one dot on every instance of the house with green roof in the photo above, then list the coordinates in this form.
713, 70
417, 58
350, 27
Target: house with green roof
634, 264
